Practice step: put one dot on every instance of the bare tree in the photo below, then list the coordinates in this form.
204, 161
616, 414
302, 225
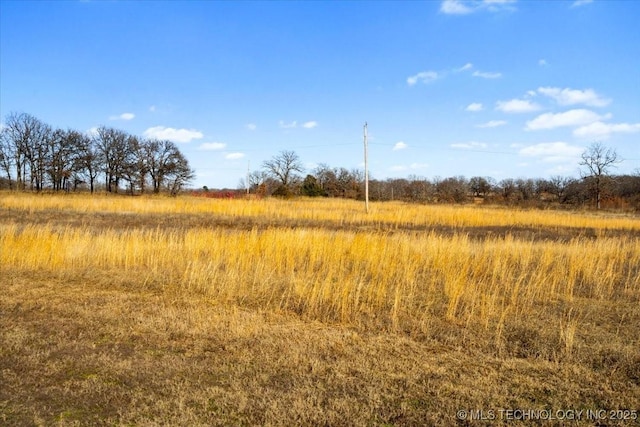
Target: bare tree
526, 188
135, 168
64, 149
25, 137
257, 180
558, 186
507, 188
283, 168
162, 156
88, 161
6, 155
598, 160
327, 179
115, 148
178, 173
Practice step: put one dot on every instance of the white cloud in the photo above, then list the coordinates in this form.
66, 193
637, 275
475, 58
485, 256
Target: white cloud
493, 124
577, 117
552, 151
212, 146
472, 145
604, 130
486, 75
152, 108
289, 125
476, 106
495, 2
172, 134
465, 67
422, 77
517, 106
543, 62
123, 116
465, 7
454, 7
579, 3
234, 156
569, 96
252, 126
498, 5
400, 145
310, 125
92, 131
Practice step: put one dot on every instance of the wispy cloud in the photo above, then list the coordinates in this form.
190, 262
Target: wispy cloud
290, 125
123, 116
493, 124
234, 156
602, 130
294, 124
568, 96
251, 126
517, 106
455, 7
422, 77
465, 7
400, 145
579, 3
543, 62
471, 145
466, 67
152, 108
486, 75
212, 146
577, 117
475, 106
172, 134
552, 151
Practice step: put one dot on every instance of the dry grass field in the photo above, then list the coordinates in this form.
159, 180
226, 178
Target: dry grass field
152, 311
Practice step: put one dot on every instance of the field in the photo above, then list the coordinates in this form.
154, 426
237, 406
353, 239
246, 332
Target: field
149, 311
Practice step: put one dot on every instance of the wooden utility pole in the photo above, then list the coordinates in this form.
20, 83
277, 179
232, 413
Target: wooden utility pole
366, 171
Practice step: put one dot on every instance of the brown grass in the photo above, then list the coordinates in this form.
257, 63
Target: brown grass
268, 313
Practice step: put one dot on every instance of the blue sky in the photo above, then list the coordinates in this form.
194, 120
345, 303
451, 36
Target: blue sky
496, 88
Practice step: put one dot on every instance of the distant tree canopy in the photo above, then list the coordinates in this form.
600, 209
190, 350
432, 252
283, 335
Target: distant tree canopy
280, 177
34, 156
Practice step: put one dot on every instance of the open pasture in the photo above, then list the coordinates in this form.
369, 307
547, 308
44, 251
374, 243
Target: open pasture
187, 311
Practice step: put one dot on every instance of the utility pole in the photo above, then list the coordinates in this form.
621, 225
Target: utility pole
366, 171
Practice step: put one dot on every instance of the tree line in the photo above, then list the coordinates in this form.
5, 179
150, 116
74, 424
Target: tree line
283, 175
35, 156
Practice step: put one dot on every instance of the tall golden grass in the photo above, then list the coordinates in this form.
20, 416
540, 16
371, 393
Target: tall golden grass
338, 211
401, 279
